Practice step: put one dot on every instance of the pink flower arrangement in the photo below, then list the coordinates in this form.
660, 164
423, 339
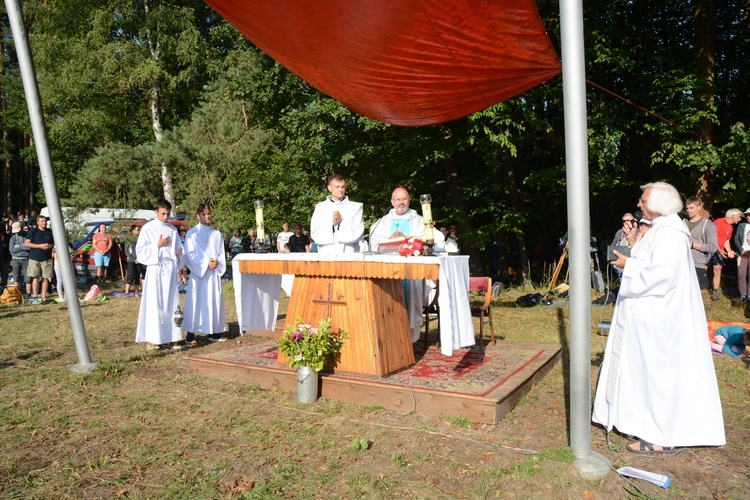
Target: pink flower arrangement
411, 247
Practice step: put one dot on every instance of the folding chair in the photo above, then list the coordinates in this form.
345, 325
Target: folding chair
483, 284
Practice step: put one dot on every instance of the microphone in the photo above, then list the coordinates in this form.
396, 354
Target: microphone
638, 216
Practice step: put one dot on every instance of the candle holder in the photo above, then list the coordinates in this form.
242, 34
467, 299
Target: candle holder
429, 224
259, 226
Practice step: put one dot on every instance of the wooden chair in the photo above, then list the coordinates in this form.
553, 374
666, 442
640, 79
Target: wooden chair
483, 284
431, 308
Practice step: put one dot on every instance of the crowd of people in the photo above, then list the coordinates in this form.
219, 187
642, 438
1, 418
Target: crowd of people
713, 244
155, 249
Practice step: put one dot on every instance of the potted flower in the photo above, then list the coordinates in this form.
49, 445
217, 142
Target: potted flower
308, 348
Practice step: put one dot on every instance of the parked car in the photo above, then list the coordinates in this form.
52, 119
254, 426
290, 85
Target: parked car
83, 260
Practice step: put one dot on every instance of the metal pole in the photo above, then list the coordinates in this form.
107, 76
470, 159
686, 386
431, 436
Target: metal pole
28, 75
576, 157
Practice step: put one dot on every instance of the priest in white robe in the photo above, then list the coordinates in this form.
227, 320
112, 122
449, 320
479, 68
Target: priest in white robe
205, 258
657, 381
401, 222
336, 225
160, 250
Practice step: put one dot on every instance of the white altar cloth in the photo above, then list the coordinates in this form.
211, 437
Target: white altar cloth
257, 295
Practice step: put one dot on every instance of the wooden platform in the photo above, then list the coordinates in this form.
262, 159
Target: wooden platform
488, 409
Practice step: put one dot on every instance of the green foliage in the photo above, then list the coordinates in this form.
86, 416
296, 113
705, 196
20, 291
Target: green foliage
239, 127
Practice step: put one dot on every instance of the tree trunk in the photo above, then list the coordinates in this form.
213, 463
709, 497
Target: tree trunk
156, 114
705, 42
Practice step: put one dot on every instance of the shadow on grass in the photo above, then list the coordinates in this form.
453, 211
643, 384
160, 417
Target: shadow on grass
21, 311
565, 360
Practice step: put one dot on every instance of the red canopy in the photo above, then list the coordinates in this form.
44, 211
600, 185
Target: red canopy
405, 62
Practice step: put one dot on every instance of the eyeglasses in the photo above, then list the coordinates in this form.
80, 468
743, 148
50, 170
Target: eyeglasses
628, 220
644, 224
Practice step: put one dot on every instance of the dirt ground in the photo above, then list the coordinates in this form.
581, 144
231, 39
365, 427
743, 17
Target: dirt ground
142, 425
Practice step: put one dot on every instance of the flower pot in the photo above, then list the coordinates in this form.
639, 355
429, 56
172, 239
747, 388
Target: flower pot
307, 385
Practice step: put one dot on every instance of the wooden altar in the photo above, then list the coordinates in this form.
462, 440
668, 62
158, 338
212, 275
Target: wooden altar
365, 298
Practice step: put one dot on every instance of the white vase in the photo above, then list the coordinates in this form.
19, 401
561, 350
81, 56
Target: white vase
307, 385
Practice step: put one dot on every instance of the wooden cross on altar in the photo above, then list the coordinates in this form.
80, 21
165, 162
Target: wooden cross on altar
329, 302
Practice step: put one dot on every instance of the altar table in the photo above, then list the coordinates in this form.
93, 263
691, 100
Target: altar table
362, 294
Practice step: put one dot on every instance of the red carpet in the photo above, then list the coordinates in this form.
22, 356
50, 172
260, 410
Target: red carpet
474, 371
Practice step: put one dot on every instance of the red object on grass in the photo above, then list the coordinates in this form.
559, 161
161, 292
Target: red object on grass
404, 62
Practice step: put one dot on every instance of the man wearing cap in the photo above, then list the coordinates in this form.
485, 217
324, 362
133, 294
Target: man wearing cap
724, 228
628, 223
742, 245
20, 257
703, 241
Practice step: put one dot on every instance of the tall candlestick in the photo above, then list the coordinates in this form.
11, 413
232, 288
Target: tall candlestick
261, 232
429, 235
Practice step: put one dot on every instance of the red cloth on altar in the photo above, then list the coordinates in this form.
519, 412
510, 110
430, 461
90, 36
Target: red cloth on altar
405, 62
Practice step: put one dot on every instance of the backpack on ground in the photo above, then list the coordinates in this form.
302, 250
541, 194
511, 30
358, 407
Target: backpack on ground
11, 296
530, 300
93, 293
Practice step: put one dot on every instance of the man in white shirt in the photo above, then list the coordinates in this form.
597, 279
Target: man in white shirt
283, 237
205, 257
336, 224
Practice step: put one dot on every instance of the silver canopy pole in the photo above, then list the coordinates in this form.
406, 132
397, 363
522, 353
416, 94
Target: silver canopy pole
28, 75
591, 464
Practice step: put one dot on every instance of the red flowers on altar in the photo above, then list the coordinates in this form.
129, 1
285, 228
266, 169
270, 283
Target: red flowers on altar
411, 247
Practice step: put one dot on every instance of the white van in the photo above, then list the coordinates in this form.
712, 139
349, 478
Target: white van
94, 215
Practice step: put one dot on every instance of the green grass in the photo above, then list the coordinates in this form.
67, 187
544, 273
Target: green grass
143, 426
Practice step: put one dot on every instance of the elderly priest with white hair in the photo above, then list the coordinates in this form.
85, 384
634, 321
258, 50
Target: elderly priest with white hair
657, 382
403, 222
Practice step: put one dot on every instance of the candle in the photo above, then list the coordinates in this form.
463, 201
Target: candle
259, 220
425, 200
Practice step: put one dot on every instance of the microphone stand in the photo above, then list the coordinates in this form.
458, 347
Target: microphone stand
370, 251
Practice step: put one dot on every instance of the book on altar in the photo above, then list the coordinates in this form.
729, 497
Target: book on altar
390, 246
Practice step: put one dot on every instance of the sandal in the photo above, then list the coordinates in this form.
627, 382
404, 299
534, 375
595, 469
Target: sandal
645, 447
152, 347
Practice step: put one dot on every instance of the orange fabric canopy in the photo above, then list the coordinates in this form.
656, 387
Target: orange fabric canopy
405, 62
